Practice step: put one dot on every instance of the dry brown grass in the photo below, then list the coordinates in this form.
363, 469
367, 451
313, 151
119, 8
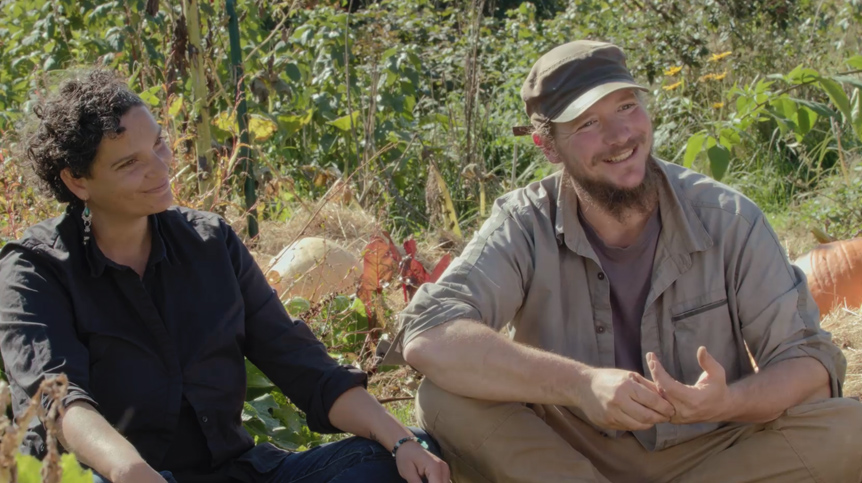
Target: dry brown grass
846, 328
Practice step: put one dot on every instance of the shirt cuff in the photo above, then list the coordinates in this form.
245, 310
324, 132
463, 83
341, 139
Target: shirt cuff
836, 377
339, 380
412, 326
73, 394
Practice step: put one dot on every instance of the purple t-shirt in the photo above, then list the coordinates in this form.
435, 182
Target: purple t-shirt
629, 271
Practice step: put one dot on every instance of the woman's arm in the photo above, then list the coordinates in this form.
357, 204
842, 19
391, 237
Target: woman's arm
93, 440
357, 412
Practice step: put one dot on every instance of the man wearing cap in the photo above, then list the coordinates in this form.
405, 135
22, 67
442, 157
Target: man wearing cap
625, 319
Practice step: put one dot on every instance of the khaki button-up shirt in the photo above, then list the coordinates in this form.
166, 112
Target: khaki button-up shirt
720, 279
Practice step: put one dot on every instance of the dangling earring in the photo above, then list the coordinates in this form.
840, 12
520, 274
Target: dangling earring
88, 219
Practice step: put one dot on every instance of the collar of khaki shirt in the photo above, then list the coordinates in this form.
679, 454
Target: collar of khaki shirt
682, 231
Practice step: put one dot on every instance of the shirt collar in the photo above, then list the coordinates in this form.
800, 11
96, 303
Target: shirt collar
97, 261
682, 230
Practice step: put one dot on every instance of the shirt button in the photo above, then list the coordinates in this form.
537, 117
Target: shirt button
601, 276
600, 329
204, 419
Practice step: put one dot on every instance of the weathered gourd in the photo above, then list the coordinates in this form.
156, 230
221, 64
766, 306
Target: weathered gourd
834, 272
312, 268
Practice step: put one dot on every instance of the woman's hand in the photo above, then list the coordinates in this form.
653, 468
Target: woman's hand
416, 464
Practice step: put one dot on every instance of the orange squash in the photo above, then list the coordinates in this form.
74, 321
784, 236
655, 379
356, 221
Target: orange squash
834, 272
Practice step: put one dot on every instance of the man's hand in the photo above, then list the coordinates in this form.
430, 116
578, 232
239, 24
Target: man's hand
415, 463
619, 399
706, 401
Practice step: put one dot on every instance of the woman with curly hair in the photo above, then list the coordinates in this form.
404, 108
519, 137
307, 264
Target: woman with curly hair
151, 310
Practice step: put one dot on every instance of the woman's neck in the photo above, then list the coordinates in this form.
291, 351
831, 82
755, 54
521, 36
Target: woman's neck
124, 241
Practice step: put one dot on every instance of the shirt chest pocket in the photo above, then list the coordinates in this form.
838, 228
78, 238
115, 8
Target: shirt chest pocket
703, 321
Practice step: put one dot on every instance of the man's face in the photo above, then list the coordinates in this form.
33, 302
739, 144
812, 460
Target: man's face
609, 143
606, 151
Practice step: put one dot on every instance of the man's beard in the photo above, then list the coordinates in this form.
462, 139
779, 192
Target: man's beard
618, 202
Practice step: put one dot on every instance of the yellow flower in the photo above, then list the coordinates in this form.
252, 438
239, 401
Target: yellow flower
673, 71
717, 57
672, 86
720, 76
718, 105
706, 77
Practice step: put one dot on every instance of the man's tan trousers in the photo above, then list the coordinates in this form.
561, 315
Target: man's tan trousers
486, 441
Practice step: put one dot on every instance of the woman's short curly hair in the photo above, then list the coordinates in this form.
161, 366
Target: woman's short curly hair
70, 123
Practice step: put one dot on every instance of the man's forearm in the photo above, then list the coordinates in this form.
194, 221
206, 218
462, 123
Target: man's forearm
96, 443
470, 359
764, 396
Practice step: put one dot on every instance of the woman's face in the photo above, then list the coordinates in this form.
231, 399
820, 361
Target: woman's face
130, 175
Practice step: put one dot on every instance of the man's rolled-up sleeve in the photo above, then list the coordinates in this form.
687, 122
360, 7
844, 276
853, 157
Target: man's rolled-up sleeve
487, 283
285, 349
779, 318
38, 339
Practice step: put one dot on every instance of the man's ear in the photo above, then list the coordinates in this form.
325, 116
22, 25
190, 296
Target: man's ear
547, 149
78, 186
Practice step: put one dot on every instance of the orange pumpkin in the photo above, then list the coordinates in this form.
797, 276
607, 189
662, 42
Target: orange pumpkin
834, 272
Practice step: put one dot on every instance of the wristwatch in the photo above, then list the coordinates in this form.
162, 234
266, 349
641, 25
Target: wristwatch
404, 440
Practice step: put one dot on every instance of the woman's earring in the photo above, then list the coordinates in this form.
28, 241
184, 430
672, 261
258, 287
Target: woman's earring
88, 219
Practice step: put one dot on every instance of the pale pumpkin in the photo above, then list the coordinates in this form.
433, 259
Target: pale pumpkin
312, 268
834, 272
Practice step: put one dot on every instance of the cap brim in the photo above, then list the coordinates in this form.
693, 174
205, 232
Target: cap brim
587, 99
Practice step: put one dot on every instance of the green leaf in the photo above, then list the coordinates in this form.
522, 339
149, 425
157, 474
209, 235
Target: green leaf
846, 79
836, 94
719, 160
801, 75
261, 128
150, 96
856, 113
293, 72
255, 378
730, 137
854, 62
176, 105
297, 305
72, 471
805, 119
817, 107
29, 469
344, 123
693, 148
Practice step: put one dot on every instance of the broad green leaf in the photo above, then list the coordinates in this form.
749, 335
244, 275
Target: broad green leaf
784, 106
150, 96
729, 137
261, 128
836, 94
805, 119
802, 75
72, 471
29, 469
693, 148
255, 377
176, 105
226, 121
854, 62
344, 123
817, 107
297, 305
846, 79
856, 113
719, 160
293, 72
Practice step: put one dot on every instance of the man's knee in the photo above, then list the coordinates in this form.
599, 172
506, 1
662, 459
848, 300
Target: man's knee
458, 421
828, 436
